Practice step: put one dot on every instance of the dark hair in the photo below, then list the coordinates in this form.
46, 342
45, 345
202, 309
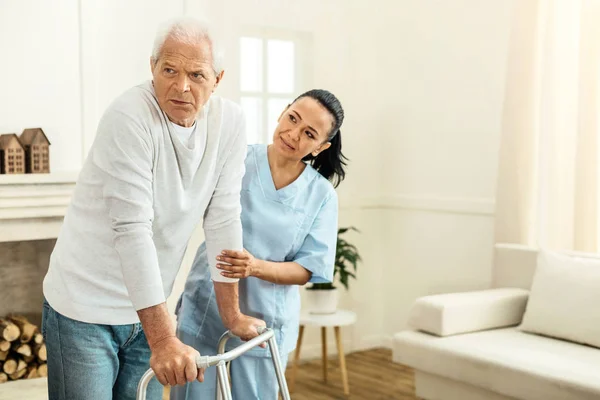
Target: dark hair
330, 163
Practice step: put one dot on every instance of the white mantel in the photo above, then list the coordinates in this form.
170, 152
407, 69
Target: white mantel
32, 206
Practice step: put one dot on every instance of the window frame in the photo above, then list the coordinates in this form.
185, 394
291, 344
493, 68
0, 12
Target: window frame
302, 70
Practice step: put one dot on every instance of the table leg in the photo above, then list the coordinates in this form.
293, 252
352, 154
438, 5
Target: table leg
296, 358
340, 348
324, 348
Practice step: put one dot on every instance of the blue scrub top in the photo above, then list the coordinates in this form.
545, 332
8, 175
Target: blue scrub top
296, 223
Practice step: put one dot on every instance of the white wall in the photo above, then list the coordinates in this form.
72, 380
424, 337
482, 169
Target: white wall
440, 81
421, 81
423, 94
40, 74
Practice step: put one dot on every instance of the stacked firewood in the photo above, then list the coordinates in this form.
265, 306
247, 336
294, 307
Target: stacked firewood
22, 350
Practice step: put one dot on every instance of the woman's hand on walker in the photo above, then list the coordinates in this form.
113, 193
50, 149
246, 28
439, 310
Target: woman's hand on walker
239, 264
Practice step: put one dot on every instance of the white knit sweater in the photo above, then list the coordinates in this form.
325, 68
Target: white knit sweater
138, 198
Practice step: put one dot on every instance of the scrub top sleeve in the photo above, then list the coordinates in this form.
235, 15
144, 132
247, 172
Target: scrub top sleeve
317, 253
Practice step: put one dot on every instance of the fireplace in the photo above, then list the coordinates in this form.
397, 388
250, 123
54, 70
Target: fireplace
23, 265
32, 208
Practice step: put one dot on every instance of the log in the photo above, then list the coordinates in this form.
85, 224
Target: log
9, 331
29, 359
4, 345
31, 372
3, 355
3, 377
42, 370
22, 349
40, 351
38, 338
21, 365
18, 374
27, 328
10, 366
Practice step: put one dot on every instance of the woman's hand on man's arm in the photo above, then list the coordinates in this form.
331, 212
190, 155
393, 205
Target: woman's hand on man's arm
242, 264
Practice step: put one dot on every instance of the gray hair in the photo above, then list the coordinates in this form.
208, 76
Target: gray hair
191, 31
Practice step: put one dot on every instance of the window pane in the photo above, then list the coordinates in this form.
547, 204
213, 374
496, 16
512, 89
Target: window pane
276, 107
252, 107
251, 68
280, 70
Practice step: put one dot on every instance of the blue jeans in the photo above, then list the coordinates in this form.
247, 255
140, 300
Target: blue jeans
91, 361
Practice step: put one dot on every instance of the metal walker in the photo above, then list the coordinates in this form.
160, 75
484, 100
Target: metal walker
220, 361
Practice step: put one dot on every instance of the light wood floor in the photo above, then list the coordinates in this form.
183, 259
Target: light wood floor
372, 375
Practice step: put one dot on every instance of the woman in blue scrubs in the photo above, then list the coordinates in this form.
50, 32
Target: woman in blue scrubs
289, 218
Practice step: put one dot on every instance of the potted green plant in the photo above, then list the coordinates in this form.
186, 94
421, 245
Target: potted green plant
322, 298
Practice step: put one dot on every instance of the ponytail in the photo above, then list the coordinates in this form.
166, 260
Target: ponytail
331, 162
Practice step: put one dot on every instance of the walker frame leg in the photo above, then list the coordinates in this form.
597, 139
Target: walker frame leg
279, 369
223, 380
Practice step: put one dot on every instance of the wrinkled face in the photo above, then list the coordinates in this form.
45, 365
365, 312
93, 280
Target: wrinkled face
303, 129
184, 79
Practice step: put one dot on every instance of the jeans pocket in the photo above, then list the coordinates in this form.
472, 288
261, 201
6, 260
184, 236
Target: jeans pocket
45, 311
135, 332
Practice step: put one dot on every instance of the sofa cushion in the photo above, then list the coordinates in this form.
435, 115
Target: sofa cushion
564, 298
453, 313
506, 361
514, 265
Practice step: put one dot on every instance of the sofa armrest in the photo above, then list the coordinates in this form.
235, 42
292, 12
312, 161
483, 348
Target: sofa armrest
453, 313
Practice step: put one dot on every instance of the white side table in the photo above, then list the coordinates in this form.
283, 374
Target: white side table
336, 320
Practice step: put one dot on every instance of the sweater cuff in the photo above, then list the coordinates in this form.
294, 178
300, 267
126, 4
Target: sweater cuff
215, 275
227, 237
147, 297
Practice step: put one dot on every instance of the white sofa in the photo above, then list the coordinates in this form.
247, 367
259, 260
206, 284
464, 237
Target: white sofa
477, 351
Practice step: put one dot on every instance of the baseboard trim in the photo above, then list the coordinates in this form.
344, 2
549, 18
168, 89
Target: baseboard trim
313, 351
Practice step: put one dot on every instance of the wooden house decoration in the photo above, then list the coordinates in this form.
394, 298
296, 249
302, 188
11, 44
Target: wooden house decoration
12, 154
37, 151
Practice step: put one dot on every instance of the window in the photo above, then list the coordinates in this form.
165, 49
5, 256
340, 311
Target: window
270, 78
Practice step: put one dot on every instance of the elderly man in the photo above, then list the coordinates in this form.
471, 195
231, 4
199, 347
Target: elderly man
166, 154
